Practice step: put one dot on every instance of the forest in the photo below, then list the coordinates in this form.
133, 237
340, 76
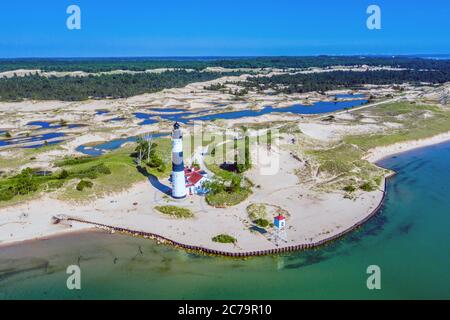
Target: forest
200, 63
70, 88
300, 83
122, 85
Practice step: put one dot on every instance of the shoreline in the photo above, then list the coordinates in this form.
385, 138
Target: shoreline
379, 153
374, 156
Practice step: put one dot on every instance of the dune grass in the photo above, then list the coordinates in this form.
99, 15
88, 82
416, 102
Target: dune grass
341, 166
123, 174
224, 238
174, 211
419, 122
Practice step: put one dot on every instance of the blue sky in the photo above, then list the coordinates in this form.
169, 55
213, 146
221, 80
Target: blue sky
31, 28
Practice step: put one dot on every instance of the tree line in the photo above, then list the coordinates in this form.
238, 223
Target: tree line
141, 64
301, 83
70, 88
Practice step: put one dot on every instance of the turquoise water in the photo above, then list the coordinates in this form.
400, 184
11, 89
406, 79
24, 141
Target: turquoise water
409, 239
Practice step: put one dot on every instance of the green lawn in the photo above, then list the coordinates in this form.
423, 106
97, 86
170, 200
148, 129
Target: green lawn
123, 175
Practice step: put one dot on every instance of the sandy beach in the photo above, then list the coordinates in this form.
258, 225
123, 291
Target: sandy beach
313, 216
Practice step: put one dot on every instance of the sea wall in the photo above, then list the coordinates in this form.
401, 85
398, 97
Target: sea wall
278, 250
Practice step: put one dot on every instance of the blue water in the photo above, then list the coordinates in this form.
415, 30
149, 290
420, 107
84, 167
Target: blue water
36, 138
52, 125
408, 239
117, 119
150, 118
101, 148
349, 96
101, 112
316, 108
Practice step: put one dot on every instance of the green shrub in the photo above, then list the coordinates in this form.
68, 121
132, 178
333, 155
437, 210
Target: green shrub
257, 211
64, 174
226, 199
6, 194
84, 184
349, 188
55, 184
24, 183
263, 223
92, 172
368, 186
74, 161
224, 238
175, 211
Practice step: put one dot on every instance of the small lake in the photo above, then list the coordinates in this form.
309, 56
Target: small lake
52, 125
349, 96
101, 148
101, 112
316, 108
30, 139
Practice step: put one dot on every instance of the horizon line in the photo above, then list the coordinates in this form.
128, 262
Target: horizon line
229, 56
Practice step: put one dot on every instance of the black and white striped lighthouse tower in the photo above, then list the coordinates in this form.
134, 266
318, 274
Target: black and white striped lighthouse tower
178, 177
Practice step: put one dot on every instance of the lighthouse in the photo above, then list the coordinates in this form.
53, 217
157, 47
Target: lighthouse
178, 177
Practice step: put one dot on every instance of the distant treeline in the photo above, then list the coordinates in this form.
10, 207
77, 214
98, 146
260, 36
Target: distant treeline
300, 83
102, 86
124, 85
141, 64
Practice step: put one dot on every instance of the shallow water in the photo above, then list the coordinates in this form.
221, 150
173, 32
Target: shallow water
409, 239
349, 95
52, 125
101, 148
36, 138
316, 108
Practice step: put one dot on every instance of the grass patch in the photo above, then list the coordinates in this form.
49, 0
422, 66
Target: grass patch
416, 125
163, 152
175, 211
84, 184
340, 167
227, 199
349, 189
263, 223
224, 238
368, 187
257, 211
114, 172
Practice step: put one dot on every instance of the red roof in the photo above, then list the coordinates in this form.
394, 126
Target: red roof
194, 177
280, 217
